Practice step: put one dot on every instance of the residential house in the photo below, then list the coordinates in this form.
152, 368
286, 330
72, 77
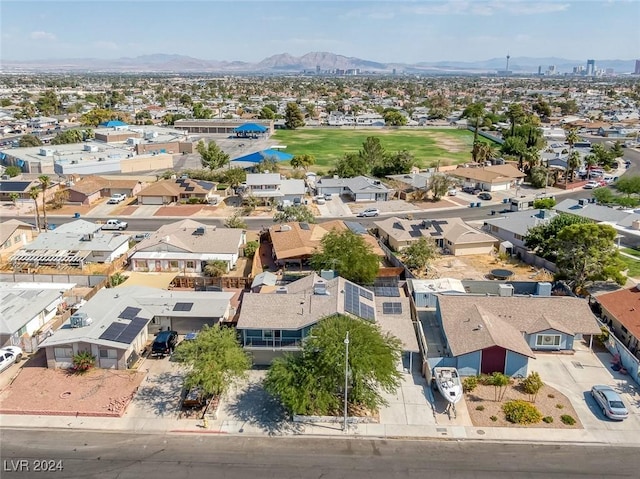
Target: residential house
271, 186
72, 245
490, 178
295, 243
358, 188
486, 334
116, 325
14, 234
514, 226
25, 308
22, 187
271, 324
451, 234
89, 189
165, 192
425, 291
621, 311
186, 246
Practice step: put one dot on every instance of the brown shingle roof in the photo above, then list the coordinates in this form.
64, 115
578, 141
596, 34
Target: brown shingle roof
625, 306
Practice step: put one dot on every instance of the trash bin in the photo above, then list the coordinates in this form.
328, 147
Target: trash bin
478, 205
471, 205
505, 200
493, 212
76, 215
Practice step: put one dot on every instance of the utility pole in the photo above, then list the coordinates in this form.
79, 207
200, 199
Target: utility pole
346, 380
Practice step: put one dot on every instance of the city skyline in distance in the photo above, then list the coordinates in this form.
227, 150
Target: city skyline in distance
403, 32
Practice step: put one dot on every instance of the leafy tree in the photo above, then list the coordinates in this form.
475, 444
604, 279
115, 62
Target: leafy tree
514, 146
83, 361
13, 171
544, 203
604, 157
313, 382
34, 192
297, 213
293, 117
101, 115
532, 385
14, 197
250, 249
235, 221
266, 113
439, 185
617, 150
67, 137
216, 358
573, 163
629, 185
352, 164
171, 118
568, 107
349, 255
185, 100
48, 103
541, 238
418, 255
212, 156
394, 118
499, 382
200, 112
516, 115
572, 137
604, 196
116, 279
542, 108
303, 161
234, 177
397, 163
29, 140
475, 112
586, 253
216, 268
538, 176
372, 151
484, 151
45, 182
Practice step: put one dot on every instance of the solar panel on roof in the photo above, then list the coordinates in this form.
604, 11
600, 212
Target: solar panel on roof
365, 293
392, 308
113, 331
305, 226
132, 330
387, 291
367, 312
183, 306
129, 313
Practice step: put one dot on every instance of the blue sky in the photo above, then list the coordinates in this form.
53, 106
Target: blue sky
399, 31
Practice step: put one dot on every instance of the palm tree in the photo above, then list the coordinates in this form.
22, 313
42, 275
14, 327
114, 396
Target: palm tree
590, 161
572, 138
475, 112
45, 182
34, 192
14, 198
573, 162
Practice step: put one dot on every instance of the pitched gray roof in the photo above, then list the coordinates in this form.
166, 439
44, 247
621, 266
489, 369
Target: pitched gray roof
357, 184
69, 237
519, 222
18, 306
592, 211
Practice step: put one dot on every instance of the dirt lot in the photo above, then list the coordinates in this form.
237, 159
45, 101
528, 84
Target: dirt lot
42, 391
477, 267
549, 402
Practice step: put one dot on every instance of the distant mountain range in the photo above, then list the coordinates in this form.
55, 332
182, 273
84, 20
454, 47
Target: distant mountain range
285, 63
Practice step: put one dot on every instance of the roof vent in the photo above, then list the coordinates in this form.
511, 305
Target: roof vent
320, 288
282, 290
583, 202
285, 228
199, 231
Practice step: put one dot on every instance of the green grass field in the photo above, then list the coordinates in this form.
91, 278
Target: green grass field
449, 146
632, 264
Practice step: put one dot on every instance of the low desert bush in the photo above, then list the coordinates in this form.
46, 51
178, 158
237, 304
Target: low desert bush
559, 406
521, 412
568, 420
494, 418
470, 384
480, 408
547, 419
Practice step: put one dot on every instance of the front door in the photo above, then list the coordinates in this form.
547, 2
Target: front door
493, 360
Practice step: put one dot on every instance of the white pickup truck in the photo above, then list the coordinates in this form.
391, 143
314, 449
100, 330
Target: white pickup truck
115, 225
117, 198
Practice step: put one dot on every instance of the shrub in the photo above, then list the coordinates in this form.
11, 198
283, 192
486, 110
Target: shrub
480, 408
559, 406
567, 419
469, 384
494, 418
547, 419
83, 361
532, 385
194, 201
250, 249
551, 396
521, 412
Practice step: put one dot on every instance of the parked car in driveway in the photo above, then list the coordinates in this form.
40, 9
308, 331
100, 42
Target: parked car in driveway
117, 198
9, 355
369, 212
484, 196
470, 190
164, 343
610, 402
320, 200
328, 197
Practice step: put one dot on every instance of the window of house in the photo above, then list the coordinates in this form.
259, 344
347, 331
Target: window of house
191, 264
173, 264
63, 353
7, 243
517, 236
16, 239
548, 340
624, 330
141, 263
108, 354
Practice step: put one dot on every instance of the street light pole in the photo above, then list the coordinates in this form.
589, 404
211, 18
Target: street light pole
346, 379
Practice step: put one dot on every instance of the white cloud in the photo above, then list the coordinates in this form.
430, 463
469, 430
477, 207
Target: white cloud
42, 36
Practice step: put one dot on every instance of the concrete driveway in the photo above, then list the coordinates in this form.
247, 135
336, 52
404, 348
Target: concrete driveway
574, 375
335, 207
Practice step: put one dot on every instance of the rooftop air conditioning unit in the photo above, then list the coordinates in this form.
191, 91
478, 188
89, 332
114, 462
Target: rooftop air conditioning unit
285, 228
320, 288
282, 290
79, 320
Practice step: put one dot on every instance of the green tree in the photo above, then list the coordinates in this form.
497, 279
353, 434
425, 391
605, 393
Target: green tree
516, 115
604, 196
250, 249
67, 137
216, 358
351, 165
34, 192
394, 118
212, 156
629, 185
475, 113
397, 163
541, 238
313, 382
297, 213
216, 268
303, 161
14, 197
234, 177
514, 146
48, 103
13, 171
235, 221
45, 182
532, 385
544, 203
349, 255
586, 253
499, 382
538, 176
29, 140
573, 163
293, 117
372, 151
200, 112
266, 113
419, 254
439, 185
617, 150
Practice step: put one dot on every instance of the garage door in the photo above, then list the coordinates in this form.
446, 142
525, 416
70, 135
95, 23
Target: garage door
493, 360
187, 325
151, 200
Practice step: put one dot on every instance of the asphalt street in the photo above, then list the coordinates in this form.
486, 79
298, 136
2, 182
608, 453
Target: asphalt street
77, 454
